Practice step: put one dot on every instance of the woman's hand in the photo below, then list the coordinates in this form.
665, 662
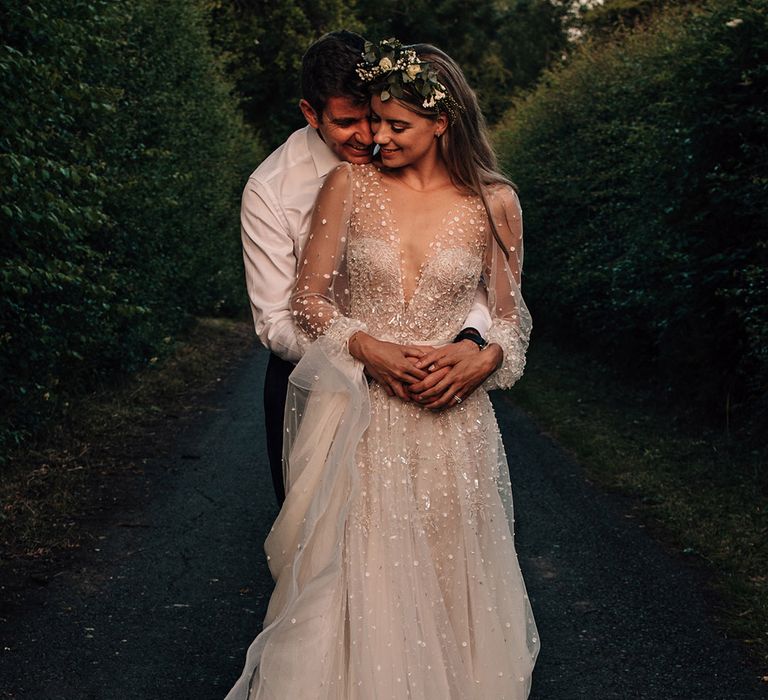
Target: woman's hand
455, 370
391, 365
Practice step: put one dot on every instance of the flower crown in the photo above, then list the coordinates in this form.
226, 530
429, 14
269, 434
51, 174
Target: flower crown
389, 69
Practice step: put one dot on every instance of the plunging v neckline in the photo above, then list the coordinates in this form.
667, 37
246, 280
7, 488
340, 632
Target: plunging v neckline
427, 260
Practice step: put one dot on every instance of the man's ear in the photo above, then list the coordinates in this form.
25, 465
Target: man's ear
312, 117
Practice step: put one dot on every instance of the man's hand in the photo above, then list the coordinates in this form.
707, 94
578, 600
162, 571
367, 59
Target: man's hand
456, 369
391, 365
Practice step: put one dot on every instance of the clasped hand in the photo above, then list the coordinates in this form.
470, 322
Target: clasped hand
431, 377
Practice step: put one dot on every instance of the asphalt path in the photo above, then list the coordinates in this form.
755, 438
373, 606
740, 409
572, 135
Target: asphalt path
167, 600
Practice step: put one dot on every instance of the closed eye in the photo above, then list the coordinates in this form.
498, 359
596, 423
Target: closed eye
397, 127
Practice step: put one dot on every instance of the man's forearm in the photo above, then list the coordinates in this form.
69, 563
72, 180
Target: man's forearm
279, 337
270, 267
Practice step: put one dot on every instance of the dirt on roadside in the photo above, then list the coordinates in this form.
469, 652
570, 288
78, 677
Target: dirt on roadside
61, 487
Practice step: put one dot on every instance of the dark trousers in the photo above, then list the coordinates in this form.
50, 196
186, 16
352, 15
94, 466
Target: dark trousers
275, 390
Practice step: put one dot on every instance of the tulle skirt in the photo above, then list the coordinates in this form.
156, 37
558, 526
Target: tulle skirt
395, 567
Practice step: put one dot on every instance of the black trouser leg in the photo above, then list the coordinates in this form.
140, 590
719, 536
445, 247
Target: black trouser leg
275, 390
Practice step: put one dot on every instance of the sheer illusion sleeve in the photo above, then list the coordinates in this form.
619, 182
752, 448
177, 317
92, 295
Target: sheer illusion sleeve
320, 299
510, 319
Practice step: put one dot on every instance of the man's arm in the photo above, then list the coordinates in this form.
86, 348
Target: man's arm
479, 316
270, 270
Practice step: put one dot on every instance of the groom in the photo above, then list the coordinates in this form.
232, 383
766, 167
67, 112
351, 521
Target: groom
275, 215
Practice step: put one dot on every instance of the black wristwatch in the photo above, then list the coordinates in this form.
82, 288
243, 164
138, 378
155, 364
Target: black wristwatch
473, 335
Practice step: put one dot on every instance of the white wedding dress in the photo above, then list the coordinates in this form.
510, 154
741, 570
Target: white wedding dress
395, 567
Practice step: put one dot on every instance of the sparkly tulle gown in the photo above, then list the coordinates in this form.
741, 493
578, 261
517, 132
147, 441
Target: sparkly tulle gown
393, 555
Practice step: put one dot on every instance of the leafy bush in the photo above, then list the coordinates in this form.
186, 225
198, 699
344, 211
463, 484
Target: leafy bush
261, 43
643, 168
121, 162
502, 47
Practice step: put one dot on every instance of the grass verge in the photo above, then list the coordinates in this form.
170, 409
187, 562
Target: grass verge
701, 492
81, 469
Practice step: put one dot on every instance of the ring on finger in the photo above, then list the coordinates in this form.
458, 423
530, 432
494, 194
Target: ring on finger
457, 398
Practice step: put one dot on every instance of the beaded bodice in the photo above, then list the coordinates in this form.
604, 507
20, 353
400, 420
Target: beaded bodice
420, 293
407, 266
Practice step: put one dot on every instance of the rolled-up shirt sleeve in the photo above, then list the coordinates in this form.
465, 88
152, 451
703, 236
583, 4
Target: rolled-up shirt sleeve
479, 316
269, 257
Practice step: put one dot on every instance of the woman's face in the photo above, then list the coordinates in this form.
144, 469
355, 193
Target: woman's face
404, 137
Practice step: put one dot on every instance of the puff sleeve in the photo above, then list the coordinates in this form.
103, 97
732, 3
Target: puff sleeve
503, 264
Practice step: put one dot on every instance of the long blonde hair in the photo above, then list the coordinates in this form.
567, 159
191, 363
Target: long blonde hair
465, 146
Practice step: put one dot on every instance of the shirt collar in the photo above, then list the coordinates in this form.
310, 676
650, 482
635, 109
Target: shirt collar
323, 157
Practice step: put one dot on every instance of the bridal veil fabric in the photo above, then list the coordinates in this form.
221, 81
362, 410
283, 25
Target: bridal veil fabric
393, 555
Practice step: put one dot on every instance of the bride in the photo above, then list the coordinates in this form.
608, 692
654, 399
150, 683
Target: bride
395, 567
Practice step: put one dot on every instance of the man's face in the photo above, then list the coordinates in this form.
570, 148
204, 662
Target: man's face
345, 127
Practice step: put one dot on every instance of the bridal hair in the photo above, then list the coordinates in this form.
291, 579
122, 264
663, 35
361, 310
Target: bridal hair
464, 146
328, 70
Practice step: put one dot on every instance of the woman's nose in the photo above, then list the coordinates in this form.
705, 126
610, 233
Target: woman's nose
381, 135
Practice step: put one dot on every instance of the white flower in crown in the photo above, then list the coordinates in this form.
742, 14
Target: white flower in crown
413, 70
735, 22
385, 64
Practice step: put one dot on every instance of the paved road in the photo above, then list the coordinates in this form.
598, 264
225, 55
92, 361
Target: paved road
178, 587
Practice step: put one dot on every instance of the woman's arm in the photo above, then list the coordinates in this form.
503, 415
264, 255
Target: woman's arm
320, 296
320, 300
510, 319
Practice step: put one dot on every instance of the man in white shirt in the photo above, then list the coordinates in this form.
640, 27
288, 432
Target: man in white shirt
275, 216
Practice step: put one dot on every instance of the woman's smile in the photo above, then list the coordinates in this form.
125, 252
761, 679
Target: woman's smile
403, 136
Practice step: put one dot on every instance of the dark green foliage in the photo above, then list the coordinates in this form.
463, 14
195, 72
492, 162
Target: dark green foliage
643, 167
261, 43
606, 17
501, 46
121, 164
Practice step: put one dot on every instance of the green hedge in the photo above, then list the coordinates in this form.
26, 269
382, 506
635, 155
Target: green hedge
643, 168
122, 158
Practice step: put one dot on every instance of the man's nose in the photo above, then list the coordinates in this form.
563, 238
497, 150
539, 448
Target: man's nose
365, 135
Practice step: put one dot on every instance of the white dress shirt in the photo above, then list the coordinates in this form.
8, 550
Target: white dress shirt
275, 216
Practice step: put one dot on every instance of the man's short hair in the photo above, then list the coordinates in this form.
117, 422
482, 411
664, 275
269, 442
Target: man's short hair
328, 70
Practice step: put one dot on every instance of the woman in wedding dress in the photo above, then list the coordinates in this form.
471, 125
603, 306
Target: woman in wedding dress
395, 567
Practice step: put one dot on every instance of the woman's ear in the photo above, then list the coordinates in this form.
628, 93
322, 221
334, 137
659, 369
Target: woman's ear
312, 117
441, 124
